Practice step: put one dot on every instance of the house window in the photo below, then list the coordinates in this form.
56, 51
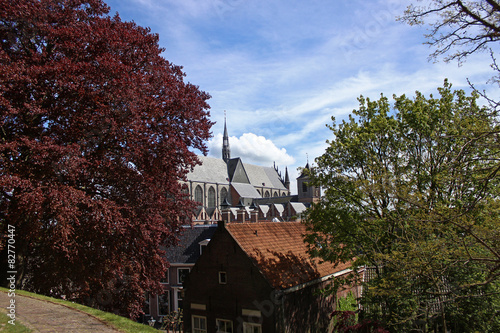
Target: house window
224, 326
182, 273
146, 306
199, 324
304, 187
267, 194
179, 297
164, 303
165, 279
252, 328
222, 278
198, 195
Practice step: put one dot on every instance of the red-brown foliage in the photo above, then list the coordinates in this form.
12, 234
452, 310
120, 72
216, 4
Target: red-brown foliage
95, 133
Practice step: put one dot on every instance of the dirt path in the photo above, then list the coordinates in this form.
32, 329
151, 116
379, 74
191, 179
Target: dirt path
43, 316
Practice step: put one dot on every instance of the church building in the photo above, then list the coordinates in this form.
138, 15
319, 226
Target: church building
229, 189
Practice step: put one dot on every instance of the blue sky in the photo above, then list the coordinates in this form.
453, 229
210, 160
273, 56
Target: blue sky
282, 69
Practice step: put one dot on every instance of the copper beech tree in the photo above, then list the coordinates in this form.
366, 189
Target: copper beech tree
96, 130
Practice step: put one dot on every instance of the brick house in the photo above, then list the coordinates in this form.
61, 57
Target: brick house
258, 278
192, 241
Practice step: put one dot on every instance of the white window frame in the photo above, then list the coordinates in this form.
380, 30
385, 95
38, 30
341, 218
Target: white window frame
167, 293
250, 327
176, 298
179, 282
198, 330
226, 321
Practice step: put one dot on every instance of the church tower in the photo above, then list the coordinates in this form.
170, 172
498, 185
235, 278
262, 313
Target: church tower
307, 193
226, 152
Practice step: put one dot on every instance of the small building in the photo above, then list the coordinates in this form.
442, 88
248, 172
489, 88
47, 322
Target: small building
259, 278
182, 257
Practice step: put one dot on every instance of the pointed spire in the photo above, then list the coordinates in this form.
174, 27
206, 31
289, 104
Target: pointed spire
226, 151
287, 179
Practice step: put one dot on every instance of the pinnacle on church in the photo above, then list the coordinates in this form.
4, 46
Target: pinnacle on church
287, 179
226, 151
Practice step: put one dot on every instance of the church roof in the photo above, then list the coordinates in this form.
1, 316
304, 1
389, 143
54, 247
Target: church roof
215, 170
299, 207
263, 176
246, 190
274, 178
212, 170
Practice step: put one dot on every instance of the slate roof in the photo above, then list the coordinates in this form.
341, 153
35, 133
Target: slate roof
279, 207
246, 190
279, 251
299, 207
274, 178
215, 170
264, 208
187, 250
212, 170
263, 176
303, 174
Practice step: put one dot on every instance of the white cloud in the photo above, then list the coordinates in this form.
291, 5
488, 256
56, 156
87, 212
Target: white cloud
253, 149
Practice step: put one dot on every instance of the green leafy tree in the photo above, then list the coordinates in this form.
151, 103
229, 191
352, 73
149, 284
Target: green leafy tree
411, 195
96, 130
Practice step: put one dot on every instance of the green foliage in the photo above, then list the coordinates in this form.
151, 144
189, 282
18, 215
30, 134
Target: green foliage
347, 303
411, 192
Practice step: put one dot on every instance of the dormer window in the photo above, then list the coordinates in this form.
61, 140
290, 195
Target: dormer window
203, 244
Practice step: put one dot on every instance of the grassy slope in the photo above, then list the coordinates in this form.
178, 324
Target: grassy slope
9, 328
121, 323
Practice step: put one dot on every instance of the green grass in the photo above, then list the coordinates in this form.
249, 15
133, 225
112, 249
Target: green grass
9, 328
118, 322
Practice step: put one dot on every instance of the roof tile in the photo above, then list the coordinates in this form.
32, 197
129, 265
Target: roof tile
279, 251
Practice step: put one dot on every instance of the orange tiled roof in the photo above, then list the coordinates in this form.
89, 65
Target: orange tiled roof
279, 251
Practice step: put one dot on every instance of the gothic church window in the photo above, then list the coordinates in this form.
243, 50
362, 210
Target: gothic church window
211, 197
223, 194
198, 194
